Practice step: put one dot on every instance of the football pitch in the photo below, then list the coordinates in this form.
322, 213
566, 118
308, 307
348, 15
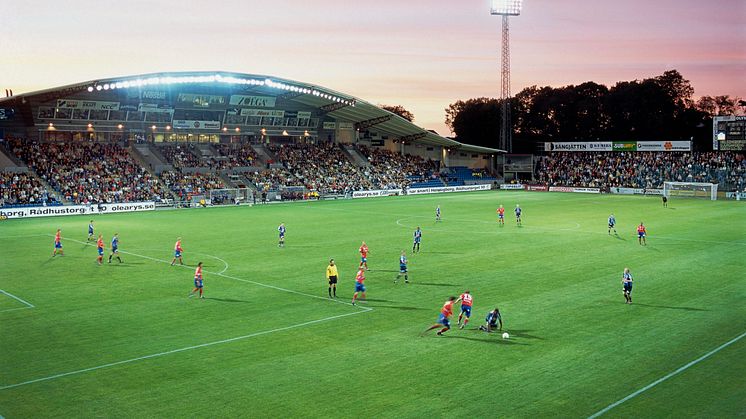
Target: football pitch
123, 340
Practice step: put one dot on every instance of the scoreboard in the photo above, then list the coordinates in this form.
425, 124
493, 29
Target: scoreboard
729, 133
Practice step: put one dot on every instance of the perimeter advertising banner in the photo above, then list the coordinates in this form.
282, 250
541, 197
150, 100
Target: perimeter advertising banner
31, 212
376, 193
442, 189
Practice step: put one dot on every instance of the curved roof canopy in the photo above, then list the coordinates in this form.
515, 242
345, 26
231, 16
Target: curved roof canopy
334, 105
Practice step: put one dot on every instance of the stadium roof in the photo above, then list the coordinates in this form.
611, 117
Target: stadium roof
336, 105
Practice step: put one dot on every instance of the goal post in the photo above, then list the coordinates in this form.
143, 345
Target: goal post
691, 189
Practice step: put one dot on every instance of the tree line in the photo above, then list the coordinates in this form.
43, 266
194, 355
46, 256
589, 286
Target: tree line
657, 108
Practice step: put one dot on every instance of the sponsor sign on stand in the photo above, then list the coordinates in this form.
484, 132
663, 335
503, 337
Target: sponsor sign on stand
511, 186
190, 124
87, 104
31, 212
586, 146
261, 101
620, 146
376, 193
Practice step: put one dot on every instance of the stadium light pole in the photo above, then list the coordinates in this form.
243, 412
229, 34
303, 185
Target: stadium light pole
506, 8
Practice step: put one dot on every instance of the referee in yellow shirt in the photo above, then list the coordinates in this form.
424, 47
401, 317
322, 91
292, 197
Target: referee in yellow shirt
331, 275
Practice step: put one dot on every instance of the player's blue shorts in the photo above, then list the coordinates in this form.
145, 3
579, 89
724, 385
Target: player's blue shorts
198, 283
363, 260
403, 269
177, 254
114, 249
627, 287
417, 240
90, 231
442, 319
501, 215
100, 251
282, 235
359, 287
640, 235
466, 310
58, 245
611, 225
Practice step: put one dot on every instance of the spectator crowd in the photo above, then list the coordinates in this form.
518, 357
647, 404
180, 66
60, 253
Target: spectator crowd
324, 168
390, 170
89, 172
22, 189
187, 185
642, 169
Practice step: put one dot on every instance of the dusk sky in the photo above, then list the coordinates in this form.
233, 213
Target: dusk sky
421, 54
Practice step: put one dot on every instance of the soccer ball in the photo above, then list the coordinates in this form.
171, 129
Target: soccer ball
506, 335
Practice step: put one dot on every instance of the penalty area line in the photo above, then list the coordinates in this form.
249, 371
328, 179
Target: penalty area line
260, 284
19, 299
173, 351
667, 376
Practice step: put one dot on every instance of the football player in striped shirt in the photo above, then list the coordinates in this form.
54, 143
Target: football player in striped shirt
115, 248
177, 252
100, 248
58, 244
198, 286
466, 302
443, 322
402, 268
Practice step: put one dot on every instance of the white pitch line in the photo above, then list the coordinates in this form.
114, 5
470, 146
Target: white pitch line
173, 351
667, 376
18, 299
14, 309
225, 268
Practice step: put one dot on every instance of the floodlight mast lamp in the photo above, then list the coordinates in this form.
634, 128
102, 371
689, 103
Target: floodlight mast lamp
506, 8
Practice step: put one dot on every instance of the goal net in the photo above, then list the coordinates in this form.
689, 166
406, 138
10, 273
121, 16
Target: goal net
229, 196
691, 189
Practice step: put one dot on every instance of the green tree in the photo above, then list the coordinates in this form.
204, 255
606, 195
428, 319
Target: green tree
399, 110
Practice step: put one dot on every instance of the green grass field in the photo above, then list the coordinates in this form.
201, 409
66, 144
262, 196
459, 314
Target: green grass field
122, 340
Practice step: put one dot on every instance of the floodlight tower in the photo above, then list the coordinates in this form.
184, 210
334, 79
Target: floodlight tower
506, 8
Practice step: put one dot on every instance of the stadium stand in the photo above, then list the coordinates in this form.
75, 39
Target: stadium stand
641, 169
87, 172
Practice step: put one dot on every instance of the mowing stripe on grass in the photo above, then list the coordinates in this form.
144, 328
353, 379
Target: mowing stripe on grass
29, 305
173, 351
231, 277
666, 377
